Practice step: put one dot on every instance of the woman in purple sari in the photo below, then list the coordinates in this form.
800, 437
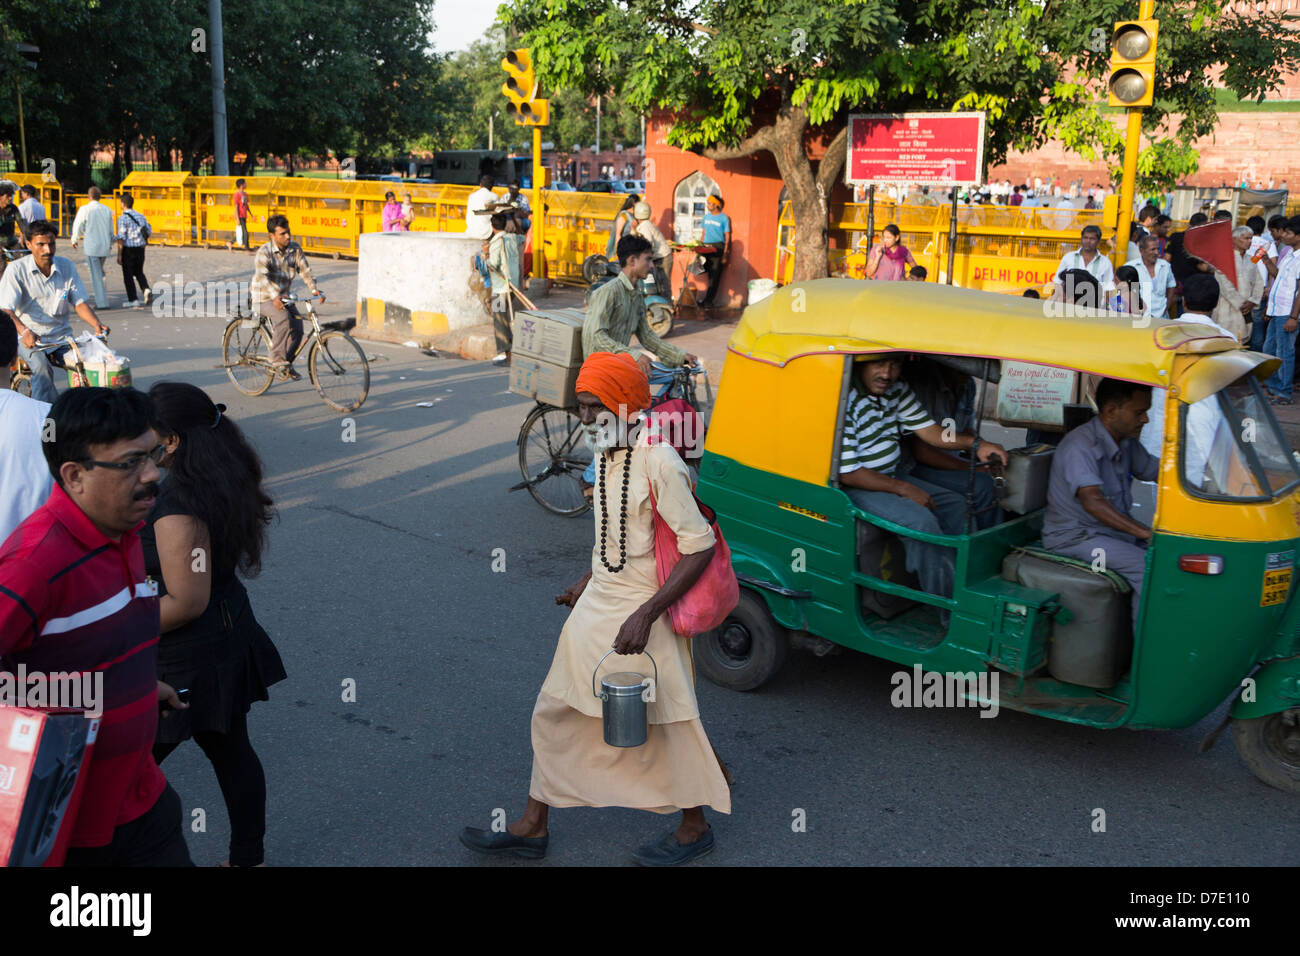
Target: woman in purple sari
891, 259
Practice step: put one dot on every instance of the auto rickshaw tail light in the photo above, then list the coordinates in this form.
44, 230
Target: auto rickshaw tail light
1201, 563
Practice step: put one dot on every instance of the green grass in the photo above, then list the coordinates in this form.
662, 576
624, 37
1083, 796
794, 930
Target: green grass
1226, 101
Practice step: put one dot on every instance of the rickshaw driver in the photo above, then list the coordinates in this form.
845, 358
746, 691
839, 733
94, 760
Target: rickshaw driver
880, 408
1089, 493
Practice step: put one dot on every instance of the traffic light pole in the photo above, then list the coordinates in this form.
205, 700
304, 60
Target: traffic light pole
1132, 144
539, 210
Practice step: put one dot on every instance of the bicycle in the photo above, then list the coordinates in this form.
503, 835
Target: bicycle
20, 373
553, 452
336, 364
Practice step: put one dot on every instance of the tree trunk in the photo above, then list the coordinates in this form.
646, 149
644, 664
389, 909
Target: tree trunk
809, 191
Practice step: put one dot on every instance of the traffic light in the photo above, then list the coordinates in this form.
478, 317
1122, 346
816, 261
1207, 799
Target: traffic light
1133, 63
520, 88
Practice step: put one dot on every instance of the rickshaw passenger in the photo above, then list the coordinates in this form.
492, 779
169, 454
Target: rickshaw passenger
949, 396
1089, 493
880, 408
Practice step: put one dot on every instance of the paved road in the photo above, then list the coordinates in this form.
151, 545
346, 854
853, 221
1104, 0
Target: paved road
380, 572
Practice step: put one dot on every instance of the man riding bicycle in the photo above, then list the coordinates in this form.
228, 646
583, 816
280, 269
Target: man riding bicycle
278, 261
617, 309
37, 294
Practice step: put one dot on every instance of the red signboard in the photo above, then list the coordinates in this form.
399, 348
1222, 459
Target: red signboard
927, 148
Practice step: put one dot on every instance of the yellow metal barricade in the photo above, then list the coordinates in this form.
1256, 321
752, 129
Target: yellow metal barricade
166, 200
49, 192
999, 248
577, 226
214, 206
322, 213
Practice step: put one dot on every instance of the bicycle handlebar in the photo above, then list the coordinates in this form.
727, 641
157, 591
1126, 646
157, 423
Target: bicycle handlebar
68, 340
291, 297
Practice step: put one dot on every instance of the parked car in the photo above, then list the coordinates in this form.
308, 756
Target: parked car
630, 186
598, 186
562, 187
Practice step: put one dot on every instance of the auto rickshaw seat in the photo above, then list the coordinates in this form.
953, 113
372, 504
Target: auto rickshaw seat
881, 555
1095, 646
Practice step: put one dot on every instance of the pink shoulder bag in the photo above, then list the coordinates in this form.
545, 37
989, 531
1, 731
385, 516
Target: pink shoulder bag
714, 594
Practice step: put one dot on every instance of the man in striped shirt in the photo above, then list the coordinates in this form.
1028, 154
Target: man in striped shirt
74, 598
880, 409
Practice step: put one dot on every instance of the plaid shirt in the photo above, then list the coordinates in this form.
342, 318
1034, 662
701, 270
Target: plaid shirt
129, 225
274, 272
616, 312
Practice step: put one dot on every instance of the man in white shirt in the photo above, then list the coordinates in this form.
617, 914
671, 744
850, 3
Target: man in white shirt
37, 295
1087, 258
94, 223
1200, 296
1155, 277
31, 208
477, 224
1284, 313
1245, 295
25, 479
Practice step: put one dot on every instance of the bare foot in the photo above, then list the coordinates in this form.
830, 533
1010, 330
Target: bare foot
526, 828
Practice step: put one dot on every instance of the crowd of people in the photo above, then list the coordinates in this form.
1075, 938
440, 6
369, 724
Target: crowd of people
107, 566
98, 573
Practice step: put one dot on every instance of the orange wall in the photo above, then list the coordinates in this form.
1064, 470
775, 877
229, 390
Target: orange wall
751, 188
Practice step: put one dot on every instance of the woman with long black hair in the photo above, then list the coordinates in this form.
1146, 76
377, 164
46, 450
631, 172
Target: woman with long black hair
208, 523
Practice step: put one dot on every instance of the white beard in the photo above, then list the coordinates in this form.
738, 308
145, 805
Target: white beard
600, 440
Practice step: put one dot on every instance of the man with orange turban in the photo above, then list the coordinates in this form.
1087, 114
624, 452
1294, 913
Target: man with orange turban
620, 604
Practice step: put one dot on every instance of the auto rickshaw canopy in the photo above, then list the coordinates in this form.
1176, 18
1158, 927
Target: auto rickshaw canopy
851, 316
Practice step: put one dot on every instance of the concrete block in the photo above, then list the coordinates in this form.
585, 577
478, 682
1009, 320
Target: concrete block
417, 285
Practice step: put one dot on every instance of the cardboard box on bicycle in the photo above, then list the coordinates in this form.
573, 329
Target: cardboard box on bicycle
543, 381
553, 335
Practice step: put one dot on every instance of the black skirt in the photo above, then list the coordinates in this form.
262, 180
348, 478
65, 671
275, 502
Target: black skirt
224, 658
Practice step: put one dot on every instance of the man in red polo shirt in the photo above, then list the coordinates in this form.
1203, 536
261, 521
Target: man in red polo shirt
74, 598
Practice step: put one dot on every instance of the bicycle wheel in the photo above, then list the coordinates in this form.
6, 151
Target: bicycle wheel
339, 370
553, 454
246, 354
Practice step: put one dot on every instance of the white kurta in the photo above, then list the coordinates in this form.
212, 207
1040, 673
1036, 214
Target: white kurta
676, 768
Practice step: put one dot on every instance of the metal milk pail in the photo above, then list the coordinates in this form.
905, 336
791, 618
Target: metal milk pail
623, 698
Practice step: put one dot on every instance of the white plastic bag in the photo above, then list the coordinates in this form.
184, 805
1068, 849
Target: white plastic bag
95, 351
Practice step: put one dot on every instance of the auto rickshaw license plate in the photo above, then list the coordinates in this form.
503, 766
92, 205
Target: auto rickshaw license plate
1277, 578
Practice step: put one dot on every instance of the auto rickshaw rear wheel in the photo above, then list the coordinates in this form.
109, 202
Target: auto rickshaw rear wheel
746, 650
1270, 747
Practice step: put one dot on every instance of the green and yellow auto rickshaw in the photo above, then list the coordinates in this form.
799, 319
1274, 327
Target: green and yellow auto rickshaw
1218, 616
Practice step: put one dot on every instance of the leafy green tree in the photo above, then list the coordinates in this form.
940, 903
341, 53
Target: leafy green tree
355, 76
749, 76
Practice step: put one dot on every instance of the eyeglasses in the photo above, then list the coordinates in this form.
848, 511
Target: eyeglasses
133, 463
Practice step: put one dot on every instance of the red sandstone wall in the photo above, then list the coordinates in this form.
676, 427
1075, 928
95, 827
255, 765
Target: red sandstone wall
1255, 146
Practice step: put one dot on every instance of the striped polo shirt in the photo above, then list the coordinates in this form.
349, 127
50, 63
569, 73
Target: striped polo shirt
874, 425
72, 600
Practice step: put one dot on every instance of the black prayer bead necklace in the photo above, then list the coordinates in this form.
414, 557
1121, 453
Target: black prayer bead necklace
604, 518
